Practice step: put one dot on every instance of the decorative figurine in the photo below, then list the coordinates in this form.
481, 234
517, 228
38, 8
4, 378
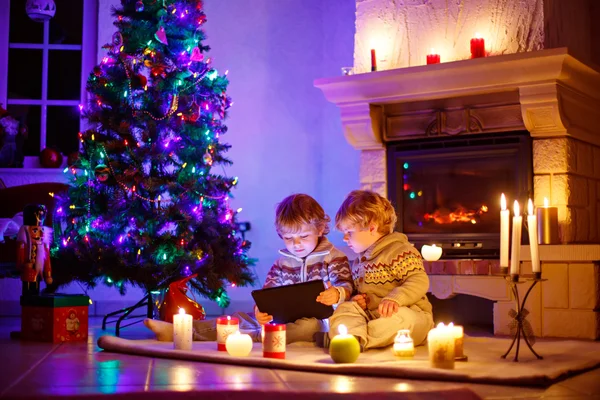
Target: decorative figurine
33, 251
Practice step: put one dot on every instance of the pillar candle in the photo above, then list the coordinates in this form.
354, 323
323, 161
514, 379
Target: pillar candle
547, 220
226, 325
403, 344
533, 240
431, 253
477, 47
433, 58
515, 255
504, 231
373, 60
459, 337
344, 348
182, 331
440, 341
238, 344
274, 341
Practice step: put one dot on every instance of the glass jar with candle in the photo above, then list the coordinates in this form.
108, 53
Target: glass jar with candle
403, 344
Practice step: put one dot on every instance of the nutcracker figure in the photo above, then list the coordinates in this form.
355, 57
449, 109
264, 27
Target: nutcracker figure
33, 249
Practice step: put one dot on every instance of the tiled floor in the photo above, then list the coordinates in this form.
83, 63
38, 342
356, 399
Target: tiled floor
38, 369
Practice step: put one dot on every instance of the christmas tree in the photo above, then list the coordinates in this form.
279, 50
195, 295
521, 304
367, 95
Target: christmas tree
145, 206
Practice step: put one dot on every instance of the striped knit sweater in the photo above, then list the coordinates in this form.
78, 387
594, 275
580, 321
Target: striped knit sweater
325, 262
392, 269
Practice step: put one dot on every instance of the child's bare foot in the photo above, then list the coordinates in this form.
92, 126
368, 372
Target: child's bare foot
162, 330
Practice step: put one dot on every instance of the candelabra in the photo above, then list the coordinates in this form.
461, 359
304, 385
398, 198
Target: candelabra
520, 325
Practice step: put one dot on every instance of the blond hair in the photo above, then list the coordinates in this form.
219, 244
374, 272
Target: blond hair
362, 208
297, 210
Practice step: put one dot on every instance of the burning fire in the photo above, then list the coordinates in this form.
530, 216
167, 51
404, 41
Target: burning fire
461, 214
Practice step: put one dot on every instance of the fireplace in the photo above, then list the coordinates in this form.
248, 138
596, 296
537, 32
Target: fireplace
447, 190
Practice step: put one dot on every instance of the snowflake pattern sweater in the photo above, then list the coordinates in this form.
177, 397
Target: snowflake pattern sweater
392, 269
325, 262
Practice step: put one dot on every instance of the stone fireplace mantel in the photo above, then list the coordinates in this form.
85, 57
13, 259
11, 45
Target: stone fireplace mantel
553, 89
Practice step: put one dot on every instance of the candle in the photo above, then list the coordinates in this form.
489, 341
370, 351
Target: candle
226, 325
533, 240
477, 47
344, 348
440, 341
182, 331
433, 58
504, 230
373, 61
238, 345
403, 344
515, 255
274, 341
547, 220
431, 253
459, 337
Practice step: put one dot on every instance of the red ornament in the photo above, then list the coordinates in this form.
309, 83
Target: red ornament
176, 298
51, 158
97, 71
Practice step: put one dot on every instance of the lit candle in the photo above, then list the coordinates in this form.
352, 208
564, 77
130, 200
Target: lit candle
440, 342
225, 326
238, 345
274, 340
459, 337
515, 255
477, 47
403, 344
547, 220
504, 231
373, 61
431, 253
433, 58
533, 240
344, 348
182, 331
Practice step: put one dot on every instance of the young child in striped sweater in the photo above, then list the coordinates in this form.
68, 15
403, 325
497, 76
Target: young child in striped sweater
388, 274
302, 225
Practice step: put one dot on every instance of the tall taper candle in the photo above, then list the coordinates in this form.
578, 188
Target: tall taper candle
504, 231
515, 255
533, 242
182, 330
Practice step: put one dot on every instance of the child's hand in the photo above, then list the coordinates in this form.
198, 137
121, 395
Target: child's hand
329, 296
387, 308
361, 299
262, 317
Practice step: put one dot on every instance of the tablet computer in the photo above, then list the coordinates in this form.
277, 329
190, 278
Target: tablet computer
291, 302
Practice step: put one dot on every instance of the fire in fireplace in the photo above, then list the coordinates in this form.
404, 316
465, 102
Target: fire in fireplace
447, 190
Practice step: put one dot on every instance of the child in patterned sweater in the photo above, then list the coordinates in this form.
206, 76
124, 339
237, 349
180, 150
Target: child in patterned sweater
302, 225
388, 275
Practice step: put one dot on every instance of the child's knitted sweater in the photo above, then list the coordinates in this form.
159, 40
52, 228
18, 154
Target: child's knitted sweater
325, 262
392, 269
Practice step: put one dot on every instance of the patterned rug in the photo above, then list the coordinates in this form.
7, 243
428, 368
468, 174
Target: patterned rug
562, 358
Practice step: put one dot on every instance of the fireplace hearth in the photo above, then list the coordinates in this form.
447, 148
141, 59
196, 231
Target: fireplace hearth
447, 190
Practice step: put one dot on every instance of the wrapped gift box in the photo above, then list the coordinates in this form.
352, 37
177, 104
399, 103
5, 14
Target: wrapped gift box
55, 318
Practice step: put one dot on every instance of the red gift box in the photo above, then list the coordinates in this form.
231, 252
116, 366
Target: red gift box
55, 318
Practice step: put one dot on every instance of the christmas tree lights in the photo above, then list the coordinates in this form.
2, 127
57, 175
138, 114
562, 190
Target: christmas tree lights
144, 206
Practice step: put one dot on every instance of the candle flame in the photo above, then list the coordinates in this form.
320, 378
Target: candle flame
503, 202
516, 209
451, 325
228, 318
530, 207
181, 311
441, 325
546, 202
432, 51
342, 330
477, 35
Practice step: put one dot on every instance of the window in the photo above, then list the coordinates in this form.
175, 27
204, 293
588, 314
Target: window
43, 71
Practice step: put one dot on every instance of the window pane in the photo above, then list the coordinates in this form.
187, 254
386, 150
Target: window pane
66, 26
63, 127
30, 115
22, 28
24, 74
64, 74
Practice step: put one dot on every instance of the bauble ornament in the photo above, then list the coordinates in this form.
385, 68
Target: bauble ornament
51, 158
102, 173
207, 158
40, 10
139, 6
